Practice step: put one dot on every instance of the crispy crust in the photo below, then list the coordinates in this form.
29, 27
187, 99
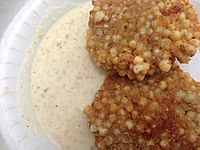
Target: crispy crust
158, 31
162, 112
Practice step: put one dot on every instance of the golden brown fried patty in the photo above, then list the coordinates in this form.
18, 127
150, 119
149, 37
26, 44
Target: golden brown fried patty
162, 112
139, 37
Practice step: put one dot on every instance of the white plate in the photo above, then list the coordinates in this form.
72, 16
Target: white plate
13, 48
17, 39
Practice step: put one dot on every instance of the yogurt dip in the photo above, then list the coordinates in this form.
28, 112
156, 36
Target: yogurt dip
64, 80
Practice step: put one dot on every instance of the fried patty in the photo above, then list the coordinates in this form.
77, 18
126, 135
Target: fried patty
141, 37
161, 112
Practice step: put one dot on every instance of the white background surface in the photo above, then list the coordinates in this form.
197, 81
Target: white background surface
8, 9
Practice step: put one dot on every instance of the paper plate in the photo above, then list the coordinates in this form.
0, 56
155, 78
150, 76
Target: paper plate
13, 48
14, 45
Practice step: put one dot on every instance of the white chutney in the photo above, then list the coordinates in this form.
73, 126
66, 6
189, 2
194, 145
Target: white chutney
64, 80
